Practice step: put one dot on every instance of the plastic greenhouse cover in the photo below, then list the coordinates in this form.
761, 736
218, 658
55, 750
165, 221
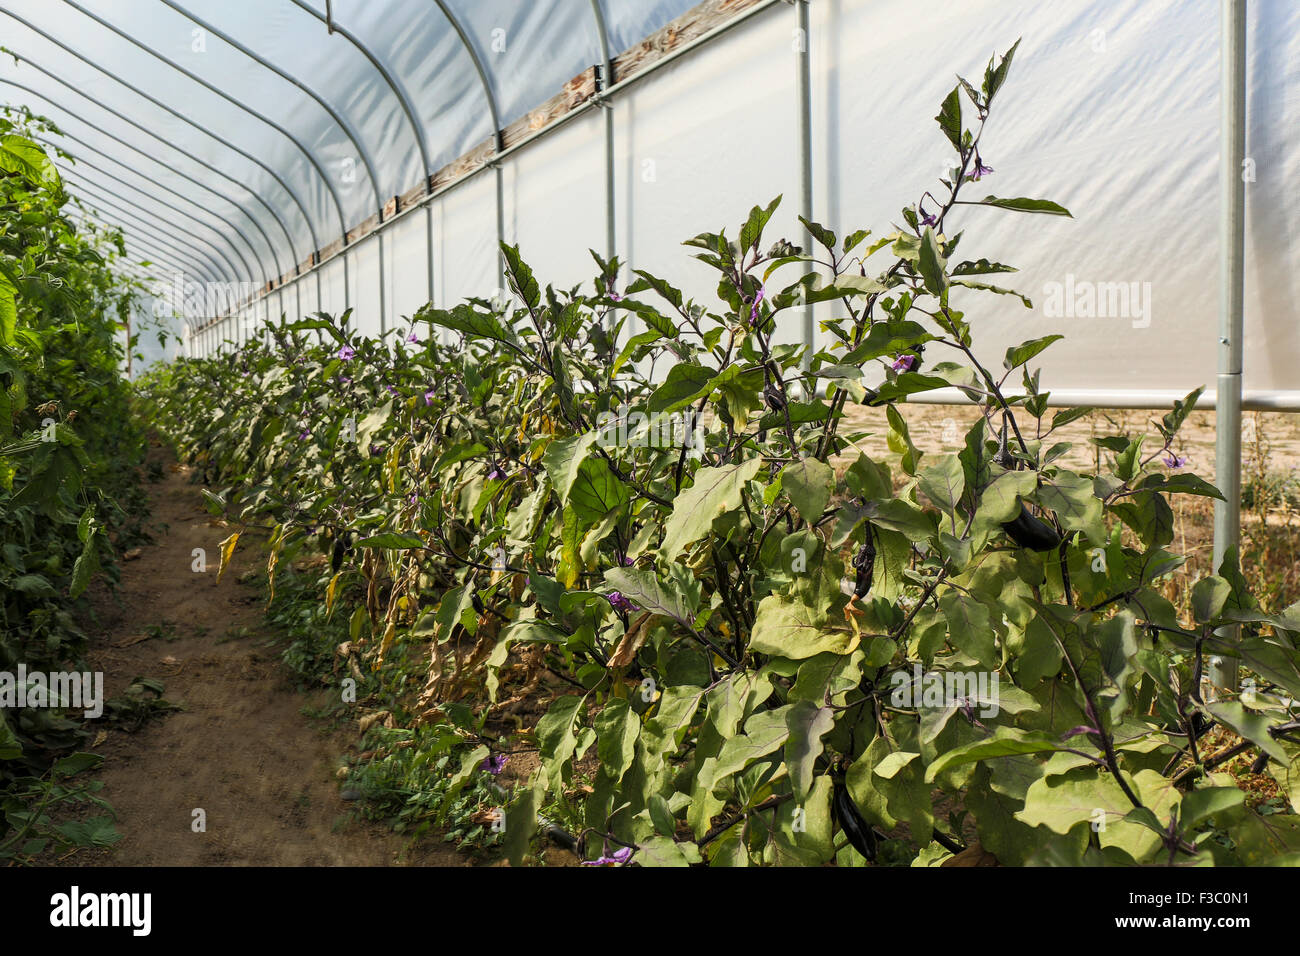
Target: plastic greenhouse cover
346, 122
1112, 110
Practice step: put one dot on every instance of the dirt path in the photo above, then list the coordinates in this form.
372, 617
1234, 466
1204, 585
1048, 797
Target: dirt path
241, 749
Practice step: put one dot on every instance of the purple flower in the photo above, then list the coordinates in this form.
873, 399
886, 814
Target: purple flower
428, 397
375, 449
627, 562
618, 602
928, 218
305, 434
347, 353
621, 855
1174, 461
413, 499
980, 171
904, 363
615, 296
753, 309
495, 473
494, 764
391, 390
413, 338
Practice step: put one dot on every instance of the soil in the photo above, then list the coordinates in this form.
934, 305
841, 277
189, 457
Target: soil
1270, 440
241, 748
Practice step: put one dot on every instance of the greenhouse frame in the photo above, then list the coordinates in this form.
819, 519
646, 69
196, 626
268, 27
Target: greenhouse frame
433, 184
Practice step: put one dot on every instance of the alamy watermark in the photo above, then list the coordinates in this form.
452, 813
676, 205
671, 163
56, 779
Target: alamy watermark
629, 429
1084, 299
82, 691
937, 690
179, 296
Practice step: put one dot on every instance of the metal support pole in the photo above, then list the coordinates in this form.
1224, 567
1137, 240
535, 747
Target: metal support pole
610, 242
383, 278
803, 71
501, 223
428, 217
1232, 238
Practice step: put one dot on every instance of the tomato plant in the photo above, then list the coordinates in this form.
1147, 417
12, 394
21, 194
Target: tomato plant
68, 497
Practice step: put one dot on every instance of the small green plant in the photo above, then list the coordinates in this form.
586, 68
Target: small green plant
33, 806
166, 631
419, 782
141, 702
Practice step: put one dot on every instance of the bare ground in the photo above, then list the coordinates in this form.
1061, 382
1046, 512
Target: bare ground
241, 749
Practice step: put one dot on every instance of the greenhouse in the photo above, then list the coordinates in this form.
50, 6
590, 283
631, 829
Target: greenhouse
785, 433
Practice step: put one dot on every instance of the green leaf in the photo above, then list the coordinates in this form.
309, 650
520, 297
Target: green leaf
764, 732
716, 492
685, 383
1043, 206
994, 77
752, 232
74, 764
949, 117
404, 542
33, 585
944, 482
521, 822
372, 423
596, 491
680, 601
84, 569
1068, 415
1209, 595
20, 155
1249, 725
1061, 803
8, 311
807, 722
996, 289
1004, 742
520, 276
471, 321
931, 263
791, 628
908, 383
617, 728
1173, 420
555, 737
661, 815
1020, 354
562, 459
1200, 805
1077, 507
809, 483
1000, 499
970, 627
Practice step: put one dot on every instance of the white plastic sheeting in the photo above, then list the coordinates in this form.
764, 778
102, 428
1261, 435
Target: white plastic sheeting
1112, 110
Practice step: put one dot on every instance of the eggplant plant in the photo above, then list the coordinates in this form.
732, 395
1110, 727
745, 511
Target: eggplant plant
755, 643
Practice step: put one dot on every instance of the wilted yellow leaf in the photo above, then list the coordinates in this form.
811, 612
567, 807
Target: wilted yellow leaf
227, 551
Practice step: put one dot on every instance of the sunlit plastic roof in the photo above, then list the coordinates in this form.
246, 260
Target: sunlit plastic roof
241, 136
